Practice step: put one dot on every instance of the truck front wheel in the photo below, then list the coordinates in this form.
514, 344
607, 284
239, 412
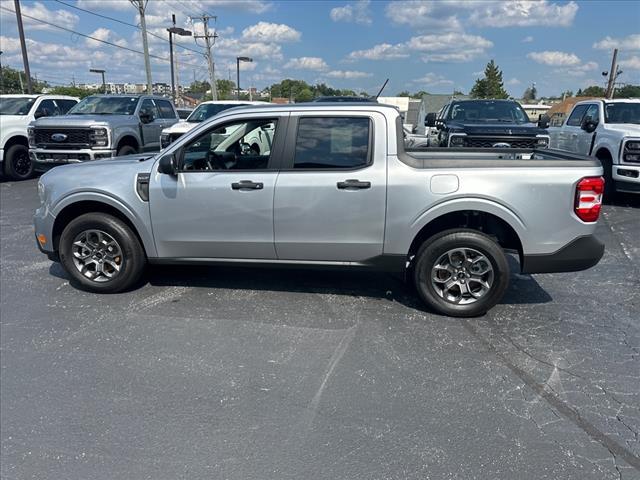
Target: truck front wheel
461, 273
101, 253
18, 165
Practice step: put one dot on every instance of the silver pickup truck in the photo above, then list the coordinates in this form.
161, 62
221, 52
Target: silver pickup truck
336, 189
100, 126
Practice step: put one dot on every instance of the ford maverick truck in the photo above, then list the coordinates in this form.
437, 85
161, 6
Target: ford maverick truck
100, 126
337, 188
487, 124
608, 130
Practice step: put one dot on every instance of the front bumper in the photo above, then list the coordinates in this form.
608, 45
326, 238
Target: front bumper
626, 177
45, 159
580, 254
43, 222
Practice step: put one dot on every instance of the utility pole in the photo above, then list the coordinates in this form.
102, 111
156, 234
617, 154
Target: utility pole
141, 6
23, 46
207, 38
613, 74
174, 78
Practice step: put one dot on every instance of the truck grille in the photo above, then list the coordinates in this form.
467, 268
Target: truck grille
489, 142
75, 138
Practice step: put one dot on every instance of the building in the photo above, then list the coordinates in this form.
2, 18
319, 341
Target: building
534, 110
559, 112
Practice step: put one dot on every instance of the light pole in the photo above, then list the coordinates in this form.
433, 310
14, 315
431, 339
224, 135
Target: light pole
100, 71
238, 60
183, 33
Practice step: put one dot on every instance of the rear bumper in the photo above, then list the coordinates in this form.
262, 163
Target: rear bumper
580, 254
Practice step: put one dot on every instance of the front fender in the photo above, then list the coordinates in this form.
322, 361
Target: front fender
140, 220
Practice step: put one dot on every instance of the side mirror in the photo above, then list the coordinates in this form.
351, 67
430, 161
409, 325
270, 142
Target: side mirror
168, 165
589, 125
543, 121
430, 119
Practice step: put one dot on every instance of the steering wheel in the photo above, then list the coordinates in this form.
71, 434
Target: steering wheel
213, 161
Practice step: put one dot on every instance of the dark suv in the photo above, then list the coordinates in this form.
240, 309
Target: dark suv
487, 124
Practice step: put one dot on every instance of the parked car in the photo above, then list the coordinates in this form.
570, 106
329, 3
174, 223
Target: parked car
100, 126
608, 130
337, 189
16, 113
487, 124
202, 112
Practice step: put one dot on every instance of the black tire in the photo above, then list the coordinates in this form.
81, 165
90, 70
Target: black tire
434, 248
126, 150
607, 168
17, 164
133, 259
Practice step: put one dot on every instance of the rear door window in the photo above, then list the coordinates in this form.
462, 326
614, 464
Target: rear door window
65, 105
166, 110
332, 143
576, 116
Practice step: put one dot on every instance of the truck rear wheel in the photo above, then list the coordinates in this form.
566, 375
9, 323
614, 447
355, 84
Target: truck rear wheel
18, 165
101, 253
461, 273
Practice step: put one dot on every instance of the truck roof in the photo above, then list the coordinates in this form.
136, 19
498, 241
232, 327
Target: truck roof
608, 100
36, 95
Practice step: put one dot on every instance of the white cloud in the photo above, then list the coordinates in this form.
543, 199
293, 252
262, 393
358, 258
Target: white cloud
62, 18
424, 14
384, 51
554, 58
271, 32
632, 63
348, 74
104, 5
357, 12
190, 6
513, 81
527, 39
432, 80
451, 47
632, 42
103, 34
523, 13
579, 70
307, 63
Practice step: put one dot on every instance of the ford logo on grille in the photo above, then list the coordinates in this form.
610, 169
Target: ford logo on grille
58, 137
501, 145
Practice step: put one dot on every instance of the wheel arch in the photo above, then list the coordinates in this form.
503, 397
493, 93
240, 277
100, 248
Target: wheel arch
74, 207
16, 140
128, 139
603, 149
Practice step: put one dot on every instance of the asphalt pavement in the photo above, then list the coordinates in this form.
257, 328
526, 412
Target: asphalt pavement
221, 373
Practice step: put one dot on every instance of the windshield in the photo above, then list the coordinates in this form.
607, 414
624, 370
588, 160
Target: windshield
487, 112
105, 106
208, 110
16, 105
624, 112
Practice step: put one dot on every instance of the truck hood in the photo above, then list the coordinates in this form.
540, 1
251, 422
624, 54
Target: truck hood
624, 129
103, 172
180, 127
497, 128
84, 120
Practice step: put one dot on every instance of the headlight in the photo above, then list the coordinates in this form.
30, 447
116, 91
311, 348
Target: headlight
31, 134
456, 141
165, 140
99, 137
542, 142
632, 146
632, 157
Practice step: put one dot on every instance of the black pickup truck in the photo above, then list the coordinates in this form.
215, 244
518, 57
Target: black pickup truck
486, 124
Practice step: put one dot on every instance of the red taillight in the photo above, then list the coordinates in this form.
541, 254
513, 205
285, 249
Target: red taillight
589, 198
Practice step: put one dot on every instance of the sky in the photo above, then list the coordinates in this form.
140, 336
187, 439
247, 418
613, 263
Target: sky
431, 45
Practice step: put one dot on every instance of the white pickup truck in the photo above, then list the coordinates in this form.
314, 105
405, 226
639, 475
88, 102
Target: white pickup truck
608, 130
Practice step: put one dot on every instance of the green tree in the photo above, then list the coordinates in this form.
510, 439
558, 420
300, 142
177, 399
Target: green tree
530, 94
10, 81
456, 93
71, 91
404, 93
226, 89
628, 91
592, 91
492, 85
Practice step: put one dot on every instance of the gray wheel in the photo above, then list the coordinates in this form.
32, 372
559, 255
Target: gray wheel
126, 150
461, 272
101, 253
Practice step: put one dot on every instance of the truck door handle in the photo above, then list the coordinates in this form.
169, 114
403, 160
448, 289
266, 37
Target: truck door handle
247, 185
353, 184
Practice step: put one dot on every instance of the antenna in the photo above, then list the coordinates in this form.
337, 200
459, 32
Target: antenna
381, 89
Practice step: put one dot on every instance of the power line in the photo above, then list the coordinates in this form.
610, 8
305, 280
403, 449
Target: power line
124, 23
96, 39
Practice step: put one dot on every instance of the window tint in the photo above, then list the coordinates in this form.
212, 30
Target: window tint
576, 116
48, 108
65, 105
592, 111
240, 145
166, 110
149, 107
338, 142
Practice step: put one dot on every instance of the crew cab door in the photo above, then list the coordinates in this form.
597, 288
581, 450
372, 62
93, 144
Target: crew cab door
585, 139
330, 194
151, 127
570, 131
220, 203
